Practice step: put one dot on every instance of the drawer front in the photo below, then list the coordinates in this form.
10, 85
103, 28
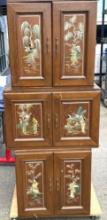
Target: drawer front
30, 43
72, 172
74, 39
29, 120
76, 118
34, 175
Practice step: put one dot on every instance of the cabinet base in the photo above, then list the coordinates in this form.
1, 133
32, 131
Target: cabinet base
95, 210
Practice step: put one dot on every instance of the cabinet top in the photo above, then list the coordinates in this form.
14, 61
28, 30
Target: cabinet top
31, 1
9, 89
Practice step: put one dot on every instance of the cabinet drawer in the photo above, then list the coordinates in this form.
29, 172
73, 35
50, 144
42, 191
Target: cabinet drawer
72, 176
76, 118
28, 119
34, 175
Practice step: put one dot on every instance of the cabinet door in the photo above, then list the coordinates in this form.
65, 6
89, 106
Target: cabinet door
30, 43
34, 173
28, 120
72, 183
74, 35
76, 118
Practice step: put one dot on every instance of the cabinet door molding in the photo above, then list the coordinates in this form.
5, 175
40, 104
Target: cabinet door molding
76, 118
34, 173
74, 36
72, 182
29, 120
30, 43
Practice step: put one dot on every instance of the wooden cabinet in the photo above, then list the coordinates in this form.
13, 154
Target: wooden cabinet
30, 43
52, 108
32, 26
58, 119
74, 42
66, 175
29, 119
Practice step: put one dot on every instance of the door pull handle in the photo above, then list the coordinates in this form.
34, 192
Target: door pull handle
50, 185
56, 45
57, 184
56, 120
47, 45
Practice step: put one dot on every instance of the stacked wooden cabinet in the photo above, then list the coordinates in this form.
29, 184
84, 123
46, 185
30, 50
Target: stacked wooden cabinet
52, 108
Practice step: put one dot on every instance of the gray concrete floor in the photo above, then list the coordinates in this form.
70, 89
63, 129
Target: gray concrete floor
99, 175
99, 164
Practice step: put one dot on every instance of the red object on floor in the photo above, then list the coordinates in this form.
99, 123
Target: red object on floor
8, 158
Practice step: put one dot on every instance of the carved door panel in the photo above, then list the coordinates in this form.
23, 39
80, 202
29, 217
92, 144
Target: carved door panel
76, 118
72, 182
74, 36
34, 172
29, 120
30, 43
